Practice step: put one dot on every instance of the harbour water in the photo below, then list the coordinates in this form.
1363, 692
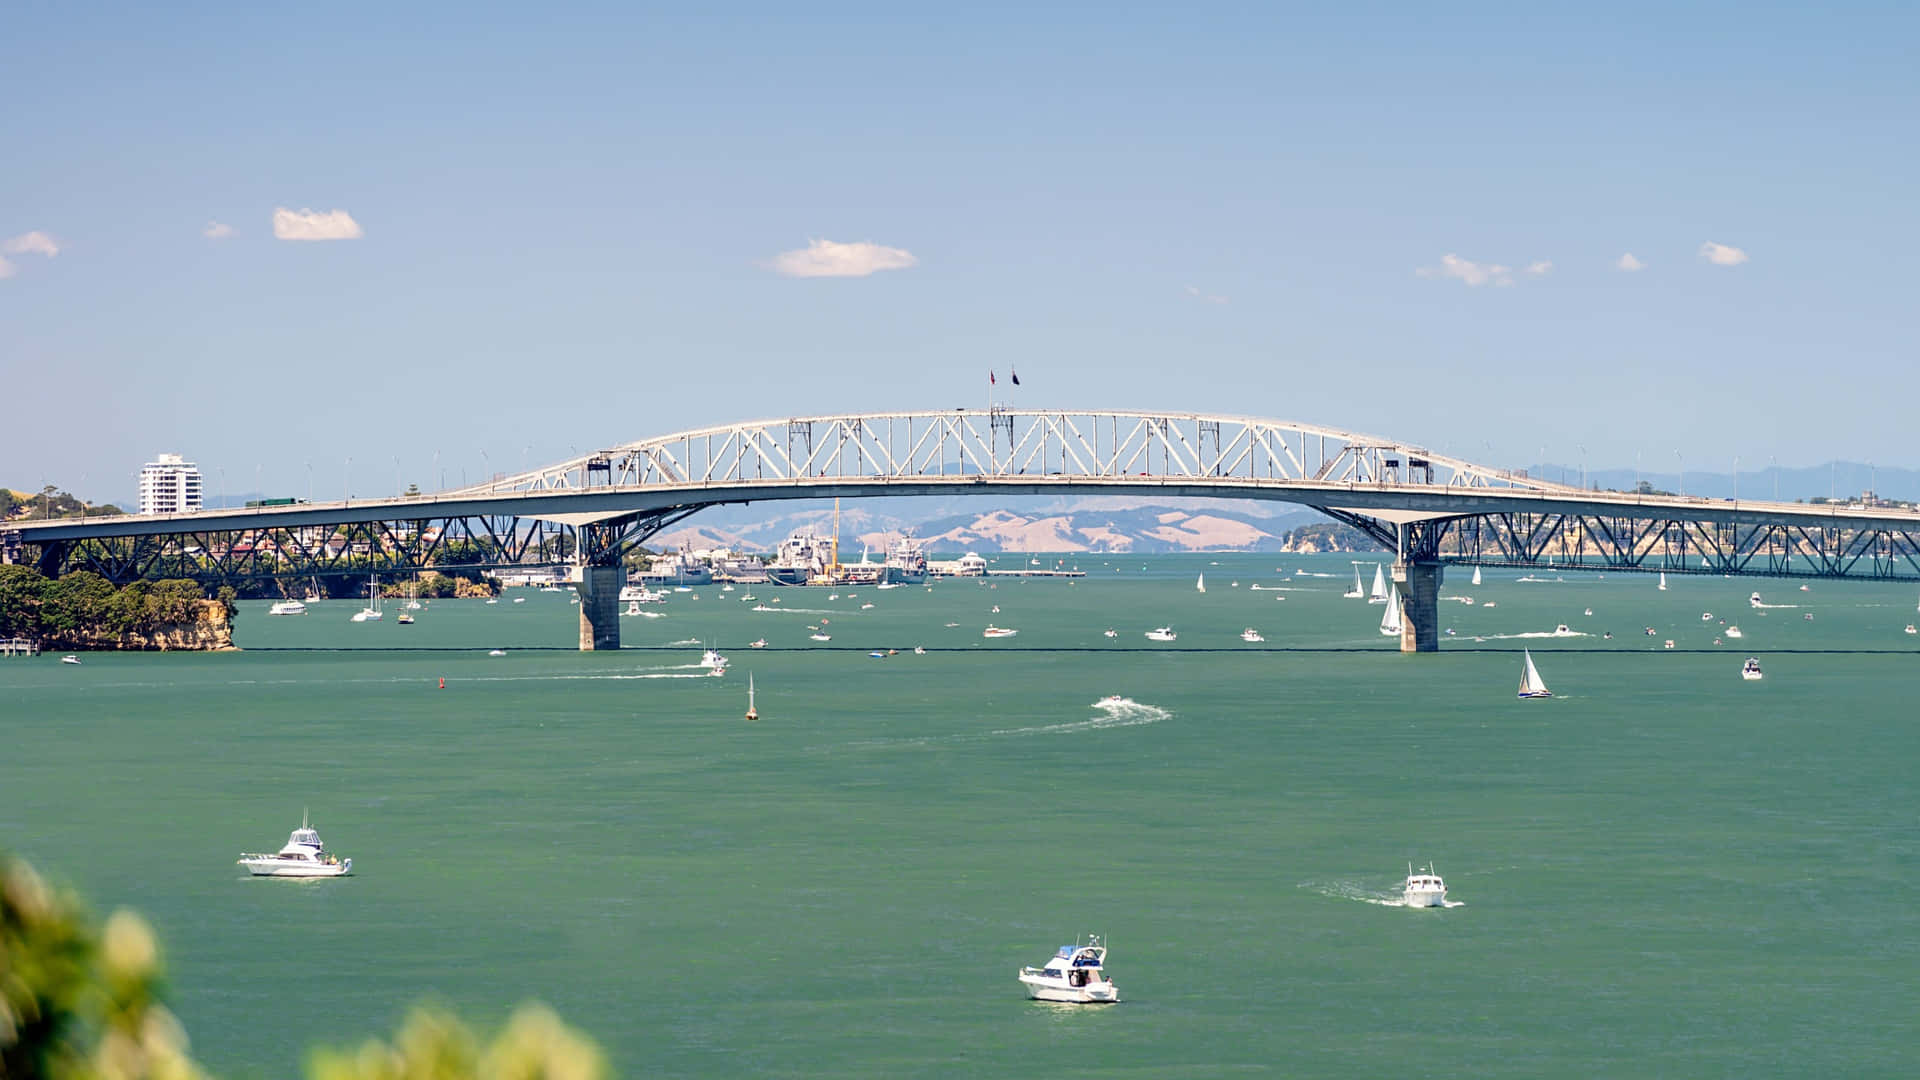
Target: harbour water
1663, 870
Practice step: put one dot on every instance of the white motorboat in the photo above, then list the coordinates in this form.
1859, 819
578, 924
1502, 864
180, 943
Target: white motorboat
1076, 975
1390, 618
1531, 684
640, 594
519, 599
496, 652
288, 607
405, 619
1424, 889
1563, 630
1911, 629
304, 856
1754, 601
70, 659
493, 599
1251, 636
1750, 670
1380, 591
1589, 611
1706, 616
821, 637
1734, 632
997, 631
757, 643
1163, 634
1110, 633
713, 661
1358, 592
633, 608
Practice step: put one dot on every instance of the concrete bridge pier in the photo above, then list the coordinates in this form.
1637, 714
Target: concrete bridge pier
1419, 585
600, 607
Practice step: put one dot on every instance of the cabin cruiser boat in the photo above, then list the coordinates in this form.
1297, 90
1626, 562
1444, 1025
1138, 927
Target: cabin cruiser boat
1754, 600
1734, 632
70, 659
1164, 633
1911, 629
713, 661
1110, 633
1563, 630
496, 652
1750, 670
1109, 700
1424, 889
757, 643
288, 607
304, 856
821, 637
633, 608
1251, 636
640, 594
1075, 975
997, 632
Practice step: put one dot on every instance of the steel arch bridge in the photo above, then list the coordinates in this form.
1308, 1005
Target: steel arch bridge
1430, 509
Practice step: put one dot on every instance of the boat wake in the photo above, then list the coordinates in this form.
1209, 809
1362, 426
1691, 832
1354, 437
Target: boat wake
1124, 712
1284, 588
1778, 607
765, 610
1534, 634
1349, 890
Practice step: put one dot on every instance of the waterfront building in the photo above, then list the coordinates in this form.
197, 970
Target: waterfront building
170, 485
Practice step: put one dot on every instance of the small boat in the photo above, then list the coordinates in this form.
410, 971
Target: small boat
288, 607
1750, 670
1490, 603
757, 643
1804, 588
919, 650
405, 619
996, 609
877, 655
1667, 644
1589, 611
519, 599
726, 588
1380, 591
865, 606
752, 713
1109, 701
997, 631
1163, 633
304, 856
1563, 630
414, 605
1734, 632
496, 652
1201, 585
1109, 633
633, 608
1076, 976
1251, 636
748, 597
1531, 684
370, 613
70, 659
713, 661
1423, 889
1390, 623
821, 637
1808, 616
1663, 581
1910, 629
492, 600
1754, 600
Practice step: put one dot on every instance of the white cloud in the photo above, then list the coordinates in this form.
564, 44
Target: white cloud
826, 258
1721, 254
1541, 268
31, 243
1205, 298
216, 230
1466, 270
7, 269
314, 225
1628, 263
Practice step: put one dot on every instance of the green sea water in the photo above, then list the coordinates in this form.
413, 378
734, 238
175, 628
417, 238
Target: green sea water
1663, 870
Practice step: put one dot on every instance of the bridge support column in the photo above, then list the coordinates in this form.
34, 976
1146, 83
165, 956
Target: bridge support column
1419, 585
600, 607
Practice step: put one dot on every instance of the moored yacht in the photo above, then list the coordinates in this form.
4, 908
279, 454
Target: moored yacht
1163, 633
288, 607
1251, 636
304, 856
1751, 669
1424, 889
713, 661
372, 613
1075, 975
997, 632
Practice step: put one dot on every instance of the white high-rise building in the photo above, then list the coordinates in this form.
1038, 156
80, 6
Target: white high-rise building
169, 486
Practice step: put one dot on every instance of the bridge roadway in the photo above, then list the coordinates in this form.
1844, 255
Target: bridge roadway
1431, 510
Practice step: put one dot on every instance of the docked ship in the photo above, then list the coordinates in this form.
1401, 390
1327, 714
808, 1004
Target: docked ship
676, 568
906, 562
801, 557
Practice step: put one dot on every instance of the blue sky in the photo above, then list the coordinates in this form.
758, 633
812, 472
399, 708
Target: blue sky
571, 222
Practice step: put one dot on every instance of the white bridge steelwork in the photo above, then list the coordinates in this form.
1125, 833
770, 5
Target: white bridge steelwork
1429, 508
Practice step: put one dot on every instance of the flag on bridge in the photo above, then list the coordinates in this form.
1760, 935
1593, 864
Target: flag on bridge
1016, 376
991, 381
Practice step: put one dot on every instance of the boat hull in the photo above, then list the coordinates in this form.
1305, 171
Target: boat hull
1057, 991
1425, 897
288, 868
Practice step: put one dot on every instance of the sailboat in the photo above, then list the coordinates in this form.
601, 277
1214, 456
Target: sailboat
1359, 590
371, 613
1390, 619
1663, 581
1379, 586
1201, 585
1476, 575
1531, 684
752, 713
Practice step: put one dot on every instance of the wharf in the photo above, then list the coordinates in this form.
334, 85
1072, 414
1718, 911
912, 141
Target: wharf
19, 647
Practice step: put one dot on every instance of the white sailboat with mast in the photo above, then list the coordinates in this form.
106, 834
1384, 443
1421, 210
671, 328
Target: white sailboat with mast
1390, 619
1663, 581
1359, 590
1379, 594
1476, 575
752, 713
1531, 684
1201, 584
372, 612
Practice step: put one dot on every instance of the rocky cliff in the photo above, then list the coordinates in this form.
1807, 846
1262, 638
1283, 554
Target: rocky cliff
209, 629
